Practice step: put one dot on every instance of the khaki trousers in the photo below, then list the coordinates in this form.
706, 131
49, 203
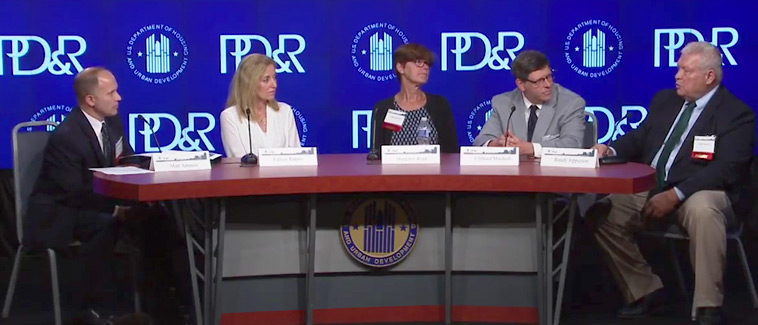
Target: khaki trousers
704, 215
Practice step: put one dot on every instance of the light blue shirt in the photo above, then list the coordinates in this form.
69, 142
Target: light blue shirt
700, 106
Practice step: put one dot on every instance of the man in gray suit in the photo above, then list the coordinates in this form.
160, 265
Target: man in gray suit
541, 113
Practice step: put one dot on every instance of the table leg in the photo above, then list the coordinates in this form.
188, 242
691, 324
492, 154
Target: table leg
541, 291
564, 261
219, 276
448, 259
210, 216
208, 262
549, 219
311, 272
177, 210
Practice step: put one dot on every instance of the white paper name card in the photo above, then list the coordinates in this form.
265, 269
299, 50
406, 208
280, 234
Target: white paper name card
569, 157
703, 147
306, 156
489, 156
418, 154
180, 160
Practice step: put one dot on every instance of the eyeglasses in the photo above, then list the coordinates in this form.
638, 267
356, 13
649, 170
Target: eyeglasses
544, 80
420, 63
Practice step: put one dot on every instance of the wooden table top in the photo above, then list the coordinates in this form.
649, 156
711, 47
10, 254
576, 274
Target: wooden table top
351, 173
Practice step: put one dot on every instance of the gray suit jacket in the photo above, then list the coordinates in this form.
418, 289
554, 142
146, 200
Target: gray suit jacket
560, 123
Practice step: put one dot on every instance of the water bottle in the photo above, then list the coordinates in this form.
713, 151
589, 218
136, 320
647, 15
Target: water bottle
424, 132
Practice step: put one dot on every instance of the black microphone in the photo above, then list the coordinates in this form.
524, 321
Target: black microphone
152, 130
373, 155
611, 160
249, 159
508, 124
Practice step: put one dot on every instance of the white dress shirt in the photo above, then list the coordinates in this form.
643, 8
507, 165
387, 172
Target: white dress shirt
281, 131
537, 147
97, 126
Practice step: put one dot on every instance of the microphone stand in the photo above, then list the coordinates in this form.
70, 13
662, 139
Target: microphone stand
373, 155
249, 159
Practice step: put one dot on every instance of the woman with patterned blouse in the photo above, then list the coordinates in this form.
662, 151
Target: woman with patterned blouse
412, 66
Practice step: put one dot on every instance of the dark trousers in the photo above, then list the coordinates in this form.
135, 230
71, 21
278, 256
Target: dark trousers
164, 260
165, 271
97, 233
162, 270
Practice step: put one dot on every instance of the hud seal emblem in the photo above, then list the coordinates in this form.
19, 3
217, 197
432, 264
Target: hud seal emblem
379, 232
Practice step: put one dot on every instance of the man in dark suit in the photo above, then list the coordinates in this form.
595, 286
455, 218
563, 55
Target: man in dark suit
63, 206
700, 139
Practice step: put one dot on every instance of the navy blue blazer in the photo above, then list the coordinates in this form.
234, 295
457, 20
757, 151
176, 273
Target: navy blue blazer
64, 190
727, 117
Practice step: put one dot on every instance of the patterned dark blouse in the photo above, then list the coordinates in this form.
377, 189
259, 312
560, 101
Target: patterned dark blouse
407, 135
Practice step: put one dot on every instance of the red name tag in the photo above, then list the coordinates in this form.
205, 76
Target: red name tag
702, 155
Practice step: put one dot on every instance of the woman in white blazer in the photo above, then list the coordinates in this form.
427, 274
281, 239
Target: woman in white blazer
252, 106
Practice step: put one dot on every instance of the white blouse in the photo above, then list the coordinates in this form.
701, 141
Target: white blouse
281, 132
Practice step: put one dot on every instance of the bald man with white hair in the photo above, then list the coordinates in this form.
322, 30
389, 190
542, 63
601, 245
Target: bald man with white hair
695, 189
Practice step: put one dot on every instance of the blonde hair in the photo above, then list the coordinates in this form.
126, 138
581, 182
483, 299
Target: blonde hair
242, 91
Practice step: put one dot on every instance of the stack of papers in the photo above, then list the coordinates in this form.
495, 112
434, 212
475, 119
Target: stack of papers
121, 170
